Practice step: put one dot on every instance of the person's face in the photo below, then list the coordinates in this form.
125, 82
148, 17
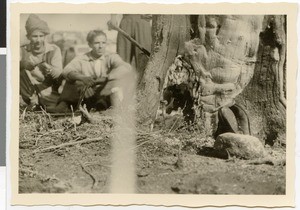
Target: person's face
37, 39
98, 45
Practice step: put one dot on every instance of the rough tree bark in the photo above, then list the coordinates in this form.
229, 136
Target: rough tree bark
233, 51
169, 33
264, 97
226, 52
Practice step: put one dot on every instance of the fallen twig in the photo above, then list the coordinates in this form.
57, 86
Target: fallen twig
60, 114
174, 124
86, 114
99, 164
267, 161
177, 119
67, 144
73, 118
44, 134
49, 132
46, 113
144, 133
95, 180
144, 142
177, 172
24, 113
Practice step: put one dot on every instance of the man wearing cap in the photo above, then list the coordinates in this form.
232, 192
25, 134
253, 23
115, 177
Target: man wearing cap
96, 75
40, 65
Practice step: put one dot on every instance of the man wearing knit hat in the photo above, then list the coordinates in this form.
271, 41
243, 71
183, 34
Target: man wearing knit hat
40, 65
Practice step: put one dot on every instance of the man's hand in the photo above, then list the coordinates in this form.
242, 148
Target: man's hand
88, 81
45, 68
89, 93
25, 64
147, 17
30, 63
112, 22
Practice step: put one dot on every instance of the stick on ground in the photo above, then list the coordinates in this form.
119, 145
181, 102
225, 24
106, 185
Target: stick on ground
94, 178
86, 114
67, 145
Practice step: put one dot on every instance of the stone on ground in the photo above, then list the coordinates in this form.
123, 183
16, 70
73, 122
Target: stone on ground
240, 146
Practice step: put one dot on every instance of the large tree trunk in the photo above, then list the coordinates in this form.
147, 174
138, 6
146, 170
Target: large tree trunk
264, 97
224, 57
169, 33
231, 50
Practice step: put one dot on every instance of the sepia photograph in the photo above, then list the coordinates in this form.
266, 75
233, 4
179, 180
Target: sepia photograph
152, 104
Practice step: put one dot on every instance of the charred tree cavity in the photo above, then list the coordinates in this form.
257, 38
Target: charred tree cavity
239, 65
169, 33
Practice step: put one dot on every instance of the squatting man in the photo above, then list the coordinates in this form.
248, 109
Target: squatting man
40, 65
94, 75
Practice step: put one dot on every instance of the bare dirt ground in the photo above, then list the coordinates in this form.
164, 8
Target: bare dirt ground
170, 159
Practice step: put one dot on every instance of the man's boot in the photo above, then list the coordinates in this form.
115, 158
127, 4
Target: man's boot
61, 107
